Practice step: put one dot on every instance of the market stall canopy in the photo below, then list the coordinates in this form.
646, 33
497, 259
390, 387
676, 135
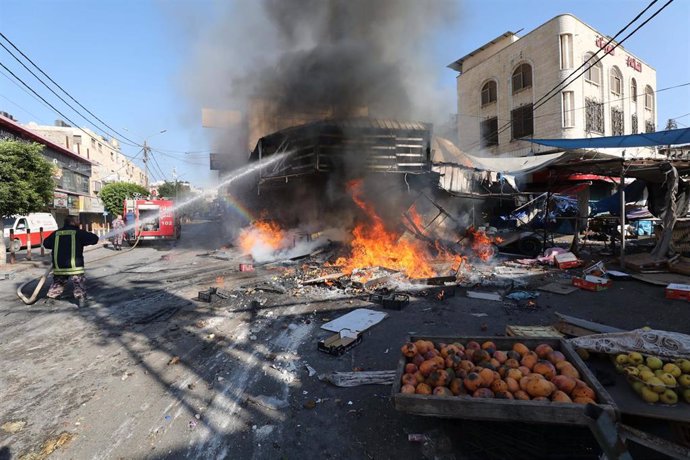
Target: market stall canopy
517, 166
445, 151
657, 139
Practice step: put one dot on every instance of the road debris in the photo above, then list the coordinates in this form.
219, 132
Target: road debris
49, 446
269, 402
310, 369
13, 427
356, 321
353, 379
174, 360
484, 295
522, 295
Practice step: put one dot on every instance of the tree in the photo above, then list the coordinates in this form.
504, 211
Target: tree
173, 190
114, 195
26, 182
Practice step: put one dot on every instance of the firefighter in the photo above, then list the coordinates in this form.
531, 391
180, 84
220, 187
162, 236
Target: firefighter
68, 244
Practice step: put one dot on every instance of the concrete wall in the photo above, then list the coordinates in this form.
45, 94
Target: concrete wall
541, 49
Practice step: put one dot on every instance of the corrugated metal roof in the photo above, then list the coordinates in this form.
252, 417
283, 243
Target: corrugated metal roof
348, 123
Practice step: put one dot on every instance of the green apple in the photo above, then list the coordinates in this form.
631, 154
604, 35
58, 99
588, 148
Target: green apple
649, 395
668, 397
668, 379
631, 370
635, 358
684, 380
646, 375
672, 369
638, 386
654, 363
656, 385
684, 365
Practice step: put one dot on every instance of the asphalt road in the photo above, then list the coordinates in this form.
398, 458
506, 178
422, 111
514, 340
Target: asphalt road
146, 372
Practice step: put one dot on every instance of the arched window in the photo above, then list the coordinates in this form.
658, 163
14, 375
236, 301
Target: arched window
648, 98
594, 71
633, 90
489, 92
616, 81
522, 77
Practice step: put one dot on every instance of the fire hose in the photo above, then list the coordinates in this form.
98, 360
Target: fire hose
41, 281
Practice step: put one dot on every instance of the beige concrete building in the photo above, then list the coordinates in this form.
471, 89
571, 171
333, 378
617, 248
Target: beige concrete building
504, 88
110, 165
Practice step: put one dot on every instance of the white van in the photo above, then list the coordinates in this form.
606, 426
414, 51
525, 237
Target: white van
32, 222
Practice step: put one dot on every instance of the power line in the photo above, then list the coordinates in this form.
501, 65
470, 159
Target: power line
89, 135
52, 90
60, 87
617, 100
155, 161
41, 97
24, 89
680, 85
19, 106
557, 88
537, 104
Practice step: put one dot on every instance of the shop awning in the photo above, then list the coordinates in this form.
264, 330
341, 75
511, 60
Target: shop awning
658, 139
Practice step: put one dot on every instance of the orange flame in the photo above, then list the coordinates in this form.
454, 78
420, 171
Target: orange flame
374, 246
482, 245
260, 234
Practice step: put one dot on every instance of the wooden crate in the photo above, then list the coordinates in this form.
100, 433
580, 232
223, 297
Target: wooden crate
503, 410
533, 331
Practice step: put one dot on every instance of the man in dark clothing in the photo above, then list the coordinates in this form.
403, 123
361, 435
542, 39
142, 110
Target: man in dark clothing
68, 244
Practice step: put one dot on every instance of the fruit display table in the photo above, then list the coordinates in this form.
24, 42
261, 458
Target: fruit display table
490, 408
627, 401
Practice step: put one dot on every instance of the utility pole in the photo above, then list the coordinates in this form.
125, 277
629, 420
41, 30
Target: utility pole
174, 174
146, 163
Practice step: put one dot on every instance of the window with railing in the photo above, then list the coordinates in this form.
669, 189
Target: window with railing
617, 125
594, 116
634, 124
649, 127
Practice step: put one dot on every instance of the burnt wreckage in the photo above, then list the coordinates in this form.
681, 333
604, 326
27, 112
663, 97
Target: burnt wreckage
392, 156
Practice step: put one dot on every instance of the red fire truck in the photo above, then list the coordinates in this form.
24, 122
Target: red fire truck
150, 220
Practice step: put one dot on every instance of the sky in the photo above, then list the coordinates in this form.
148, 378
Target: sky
126, 61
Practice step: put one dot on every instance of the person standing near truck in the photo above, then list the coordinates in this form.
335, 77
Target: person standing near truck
67, 244
118, 229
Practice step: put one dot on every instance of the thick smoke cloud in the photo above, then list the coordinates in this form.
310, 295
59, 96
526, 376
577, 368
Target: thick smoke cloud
320, 56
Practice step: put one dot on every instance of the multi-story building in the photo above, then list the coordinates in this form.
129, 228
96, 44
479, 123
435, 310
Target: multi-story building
110, 165
72, 172
508, 89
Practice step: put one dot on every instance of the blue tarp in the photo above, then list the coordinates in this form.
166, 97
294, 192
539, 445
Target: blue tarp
660, 139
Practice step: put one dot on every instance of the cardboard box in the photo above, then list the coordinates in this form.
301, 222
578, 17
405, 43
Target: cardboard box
678, 291
592, 283
567, 260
